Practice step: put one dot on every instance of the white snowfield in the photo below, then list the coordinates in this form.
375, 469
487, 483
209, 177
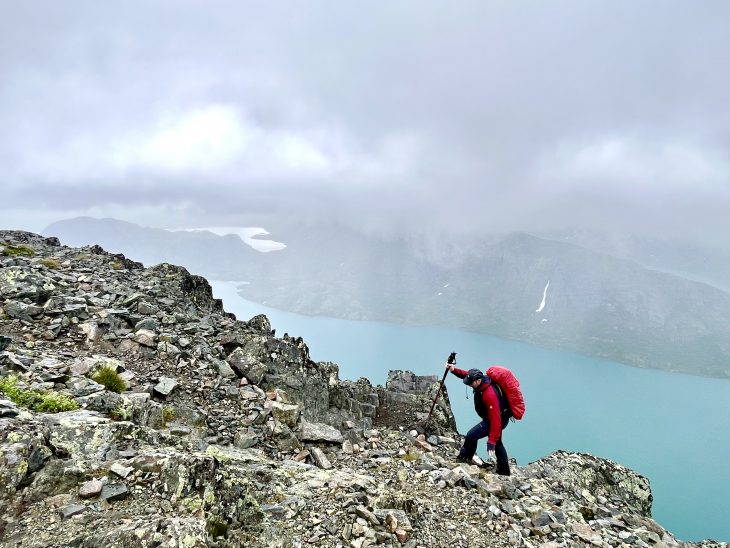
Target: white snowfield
246, 233
544, 298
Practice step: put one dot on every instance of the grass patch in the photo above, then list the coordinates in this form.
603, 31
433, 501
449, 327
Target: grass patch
411, 456
12, 250
50, 263
108, 377
120, 414
168, 413
36, 400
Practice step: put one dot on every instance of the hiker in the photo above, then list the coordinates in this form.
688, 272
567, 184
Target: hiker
491, 405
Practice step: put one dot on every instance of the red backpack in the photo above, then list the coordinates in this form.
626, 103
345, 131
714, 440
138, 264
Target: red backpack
511, 388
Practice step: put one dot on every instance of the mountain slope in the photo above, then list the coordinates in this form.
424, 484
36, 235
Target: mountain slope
595, 304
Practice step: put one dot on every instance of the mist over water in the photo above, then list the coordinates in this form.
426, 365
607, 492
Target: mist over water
669, 427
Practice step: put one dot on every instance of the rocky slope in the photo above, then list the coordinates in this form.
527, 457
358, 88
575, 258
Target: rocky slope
223, 434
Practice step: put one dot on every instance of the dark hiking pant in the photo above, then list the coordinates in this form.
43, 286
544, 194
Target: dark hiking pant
473, 436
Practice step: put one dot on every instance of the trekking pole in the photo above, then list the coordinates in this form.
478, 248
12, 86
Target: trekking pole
452, 359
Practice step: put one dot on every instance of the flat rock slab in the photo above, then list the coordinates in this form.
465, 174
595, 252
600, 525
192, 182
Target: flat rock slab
315, 431
71, 510
121, 470
114, 491
180, 431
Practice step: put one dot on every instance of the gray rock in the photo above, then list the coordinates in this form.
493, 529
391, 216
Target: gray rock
120, 470
22, 311
71, 510
367, 515
224, 370
247, 365
245, 439
168, 348
83, 387
145, 337
8, 408
180, 431
148, 324
114, 491
146, 309
165, 386
285, 413
320, 459
260, 323
316, 431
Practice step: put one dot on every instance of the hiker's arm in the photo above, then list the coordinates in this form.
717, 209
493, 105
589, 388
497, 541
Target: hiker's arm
456, 371
495, 420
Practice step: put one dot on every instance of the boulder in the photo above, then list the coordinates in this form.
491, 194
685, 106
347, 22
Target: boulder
285, 413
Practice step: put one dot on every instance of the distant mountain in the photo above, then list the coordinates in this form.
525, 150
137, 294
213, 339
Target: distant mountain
198, 251
703, 262
594, 303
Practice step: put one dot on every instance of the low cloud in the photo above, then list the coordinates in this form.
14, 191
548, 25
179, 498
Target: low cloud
412, 117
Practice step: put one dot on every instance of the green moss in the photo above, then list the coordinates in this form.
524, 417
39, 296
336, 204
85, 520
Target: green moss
50, 263
45, 401
22, 468
53, 402
19, 250
168, 413
120, 414
110, 379
411, 456
117, 265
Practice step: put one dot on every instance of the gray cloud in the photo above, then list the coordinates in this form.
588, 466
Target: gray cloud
417, 115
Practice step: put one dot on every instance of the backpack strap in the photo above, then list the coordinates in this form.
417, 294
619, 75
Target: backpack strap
504, 407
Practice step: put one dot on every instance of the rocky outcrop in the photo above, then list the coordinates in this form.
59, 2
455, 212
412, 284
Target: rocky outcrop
219, 433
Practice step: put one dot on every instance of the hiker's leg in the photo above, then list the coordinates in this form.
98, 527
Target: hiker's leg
502, 461
473, 436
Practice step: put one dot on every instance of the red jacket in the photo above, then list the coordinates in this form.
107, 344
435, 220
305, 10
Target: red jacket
486, 404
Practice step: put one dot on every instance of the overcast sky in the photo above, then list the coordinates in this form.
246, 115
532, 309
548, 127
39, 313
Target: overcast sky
444, 116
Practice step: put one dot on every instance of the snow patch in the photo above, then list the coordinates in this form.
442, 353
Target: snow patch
544, 297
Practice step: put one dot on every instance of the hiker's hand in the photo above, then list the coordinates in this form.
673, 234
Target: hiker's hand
450, 367
492, 454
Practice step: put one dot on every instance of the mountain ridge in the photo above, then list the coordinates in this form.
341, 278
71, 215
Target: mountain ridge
226, 435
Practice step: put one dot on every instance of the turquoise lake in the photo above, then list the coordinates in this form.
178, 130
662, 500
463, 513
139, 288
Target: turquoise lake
672, 428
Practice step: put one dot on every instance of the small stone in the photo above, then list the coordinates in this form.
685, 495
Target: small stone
401, 535
145, 337
90, 489
367, 515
